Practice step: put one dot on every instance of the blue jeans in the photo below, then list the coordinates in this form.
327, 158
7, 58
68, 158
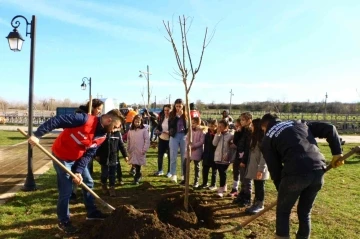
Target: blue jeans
293, 187
174, 144
64, 183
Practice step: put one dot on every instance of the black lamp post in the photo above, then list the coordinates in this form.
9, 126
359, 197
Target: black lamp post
83, 85
15, 44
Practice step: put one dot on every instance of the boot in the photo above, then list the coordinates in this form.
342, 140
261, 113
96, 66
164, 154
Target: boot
137, 179
112, 192
239, 198
246, 201
104, 189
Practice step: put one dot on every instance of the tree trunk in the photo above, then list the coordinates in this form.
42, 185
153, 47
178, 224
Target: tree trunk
188, 152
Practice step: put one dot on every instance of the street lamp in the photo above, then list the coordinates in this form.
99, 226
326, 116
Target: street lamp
15, 43
83, 85
169, 99
146, 75
231, 95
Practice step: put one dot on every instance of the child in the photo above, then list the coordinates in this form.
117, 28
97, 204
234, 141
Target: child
137, 145
243, 147
208, 157
223, 155
257, 168
236, 164
108, 154
197, 148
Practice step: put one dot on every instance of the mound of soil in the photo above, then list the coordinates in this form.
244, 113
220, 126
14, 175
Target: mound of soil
127, 222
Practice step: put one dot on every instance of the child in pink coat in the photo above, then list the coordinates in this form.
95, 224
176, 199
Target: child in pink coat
197, 149
138, 143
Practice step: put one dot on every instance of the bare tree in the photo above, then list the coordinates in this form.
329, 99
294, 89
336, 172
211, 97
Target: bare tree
182, 58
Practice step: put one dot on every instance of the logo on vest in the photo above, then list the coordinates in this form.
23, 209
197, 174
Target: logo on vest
278, 128
82, 135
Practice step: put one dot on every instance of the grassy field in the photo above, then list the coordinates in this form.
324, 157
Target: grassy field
10, 138
335, 214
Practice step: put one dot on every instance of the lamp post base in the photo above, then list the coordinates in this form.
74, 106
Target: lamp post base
29, 184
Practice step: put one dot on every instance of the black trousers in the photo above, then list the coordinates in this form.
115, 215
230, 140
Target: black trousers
163, 147
259, 186
205, 174
197, 170
222, 168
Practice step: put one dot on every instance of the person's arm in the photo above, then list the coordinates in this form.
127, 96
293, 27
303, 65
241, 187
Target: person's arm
328, 131
81, 164
61, 121
122, 146
128, 141
216, 139
273, 162
200, 143
147, 141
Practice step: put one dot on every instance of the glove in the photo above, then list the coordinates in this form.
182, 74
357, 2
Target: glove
335, 163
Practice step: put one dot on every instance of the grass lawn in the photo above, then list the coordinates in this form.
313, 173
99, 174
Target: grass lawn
10, 137
335, 214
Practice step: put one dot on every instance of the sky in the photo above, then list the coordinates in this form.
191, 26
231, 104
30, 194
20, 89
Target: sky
276, 50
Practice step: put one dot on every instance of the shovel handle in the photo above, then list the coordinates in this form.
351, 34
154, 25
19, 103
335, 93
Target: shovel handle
69, 172
273, 204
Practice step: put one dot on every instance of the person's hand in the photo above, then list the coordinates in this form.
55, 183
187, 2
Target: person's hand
78, 179
242, 165
335, 163
33, 140
259, 175
126, 159
218, 131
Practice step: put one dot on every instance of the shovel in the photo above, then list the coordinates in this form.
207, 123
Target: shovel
102, 202
273, 204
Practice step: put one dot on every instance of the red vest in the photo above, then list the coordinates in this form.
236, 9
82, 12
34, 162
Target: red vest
72, 143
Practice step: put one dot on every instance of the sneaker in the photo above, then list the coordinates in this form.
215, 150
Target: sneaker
112, 192
203, 186
257, 207
97, 215
233, 193
220, 192
67, 227
196, 185
104, 189
174, 178
159, 173
212, 187
244, 203
168, 175
182, 183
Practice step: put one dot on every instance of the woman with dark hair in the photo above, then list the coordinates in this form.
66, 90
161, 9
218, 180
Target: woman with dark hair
178, 128
257, 168
163, 145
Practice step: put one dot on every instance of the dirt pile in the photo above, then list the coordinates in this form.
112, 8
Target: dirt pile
128, 223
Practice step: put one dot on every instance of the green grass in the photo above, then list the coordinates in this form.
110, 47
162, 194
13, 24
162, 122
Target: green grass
10, 138
335, 214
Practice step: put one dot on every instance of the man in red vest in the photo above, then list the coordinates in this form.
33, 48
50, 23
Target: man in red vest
74, 148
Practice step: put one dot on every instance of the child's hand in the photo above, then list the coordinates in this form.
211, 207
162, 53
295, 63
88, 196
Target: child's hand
242, 165
218, 131
259, 175
126, 159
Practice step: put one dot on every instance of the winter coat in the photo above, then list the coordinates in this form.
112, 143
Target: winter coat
108, 152
138, 142
173, 125
223, 153
290, 148
243, 145
209, 149
256, 164
197, 146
